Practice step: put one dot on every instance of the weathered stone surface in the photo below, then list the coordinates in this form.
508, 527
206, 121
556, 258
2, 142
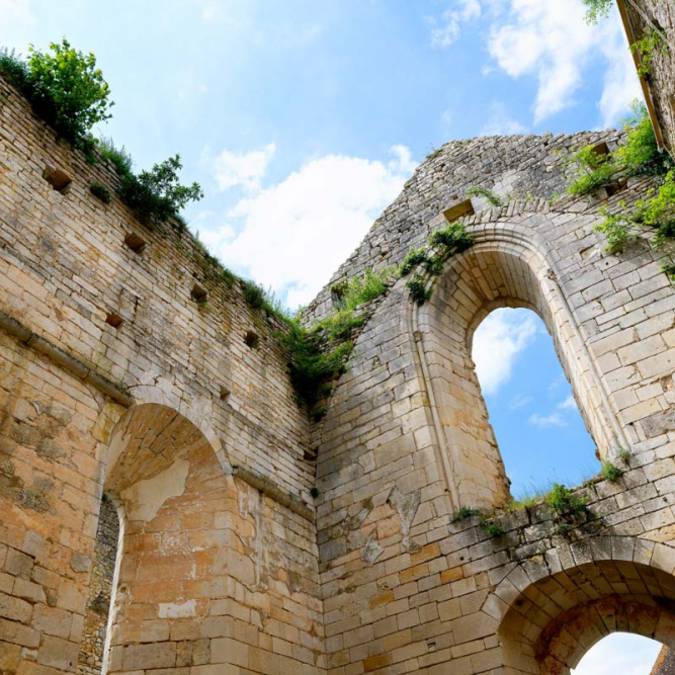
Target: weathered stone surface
222, 561
641, 20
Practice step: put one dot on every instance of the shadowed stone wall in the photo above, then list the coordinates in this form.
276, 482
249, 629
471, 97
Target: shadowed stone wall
100, 589
642, 18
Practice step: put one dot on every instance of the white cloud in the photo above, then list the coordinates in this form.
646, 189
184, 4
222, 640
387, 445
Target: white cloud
402, 162
556, 418
499, 123
520, 401
208, 10
496, 344
553, 42
245, 169
295, 234
549, 40
553, 419
623, 653
568, 404
446, 30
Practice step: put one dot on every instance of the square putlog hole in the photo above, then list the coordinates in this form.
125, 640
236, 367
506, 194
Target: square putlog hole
601, 149
114, 320
199, 294
615, 186
57, 178
252, 339
135, 242
457, 211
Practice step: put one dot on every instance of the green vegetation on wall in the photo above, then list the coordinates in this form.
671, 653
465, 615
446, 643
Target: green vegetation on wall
646, 48
68, 91
318, 354
64, 86
156, 196
442, 244
596, 9
639, 155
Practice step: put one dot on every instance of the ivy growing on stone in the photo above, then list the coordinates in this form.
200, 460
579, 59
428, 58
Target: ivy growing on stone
419, 293
646, 48
492, 527
655, 213
610, 472
639, 155
594, 170
413, 258
463, 513
564, 502
488, 523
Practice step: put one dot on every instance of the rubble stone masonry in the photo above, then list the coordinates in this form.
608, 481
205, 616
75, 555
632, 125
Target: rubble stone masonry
222, 561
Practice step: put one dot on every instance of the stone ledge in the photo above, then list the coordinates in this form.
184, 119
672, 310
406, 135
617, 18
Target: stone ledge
69, 363
267, 487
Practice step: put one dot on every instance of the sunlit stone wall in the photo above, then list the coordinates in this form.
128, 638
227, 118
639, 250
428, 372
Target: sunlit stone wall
227, 562
196, 435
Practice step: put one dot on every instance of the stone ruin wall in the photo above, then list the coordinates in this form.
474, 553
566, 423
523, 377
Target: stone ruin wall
640, 17
197, 435
227, 564
407, 442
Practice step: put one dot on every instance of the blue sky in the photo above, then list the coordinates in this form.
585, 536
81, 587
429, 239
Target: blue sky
538, 427
302, 120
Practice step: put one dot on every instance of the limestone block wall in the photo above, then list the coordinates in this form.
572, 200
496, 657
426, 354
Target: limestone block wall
195, 435
641, 18
225, 563
407, 442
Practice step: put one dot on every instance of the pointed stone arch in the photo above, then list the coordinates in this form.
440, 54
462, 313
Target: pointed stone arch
552, 609
166, 479
508, 265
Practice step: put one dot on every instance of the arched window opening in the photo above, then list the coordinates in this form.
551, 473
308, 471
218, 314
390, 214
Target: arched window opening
538, 428
489, 276
92, 649
628, 654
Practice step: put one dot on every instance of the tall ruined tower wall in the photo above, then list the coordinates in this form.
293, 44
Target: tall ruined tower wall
406, 443
656, 65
